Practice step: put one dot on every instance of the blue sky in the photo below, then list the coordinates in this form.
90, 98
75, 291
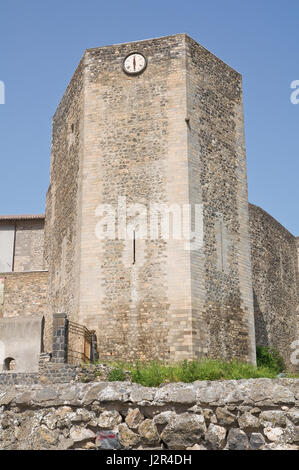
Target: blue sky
41, 43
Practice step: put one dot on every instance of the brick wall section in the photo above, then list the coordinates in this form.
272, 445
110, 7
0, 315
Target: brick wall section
28, 249
29, 246
275, 282
50, 372
24, 293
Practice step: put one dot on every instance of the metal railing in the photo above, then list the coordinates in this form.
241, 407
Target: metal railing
79, 344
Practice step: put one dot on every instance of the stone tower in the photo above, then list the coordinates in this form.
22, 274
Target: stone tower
171, 134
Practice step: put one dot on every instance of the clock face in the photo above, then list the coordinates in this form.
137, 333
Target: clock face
134, 63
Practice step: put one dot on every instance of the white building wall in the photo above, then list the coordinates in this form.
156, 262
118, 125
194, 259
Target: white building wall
7, 237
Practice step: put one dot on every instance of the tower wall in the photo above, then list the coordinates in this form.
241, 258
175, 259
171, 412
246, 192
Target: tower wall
222, 305
171, 135
62, 226
135, 146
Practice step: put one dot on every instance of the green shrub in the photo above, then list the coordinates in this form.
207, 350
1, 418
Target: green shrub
269, 357
116, 375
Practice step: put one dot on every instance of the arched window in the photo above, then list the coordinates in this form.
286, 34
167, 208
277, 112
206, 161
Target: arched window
9, 363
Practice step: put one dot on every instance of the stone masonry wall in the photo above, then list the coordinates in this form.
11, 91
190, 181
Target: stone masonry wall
62, 232
24, 293
29, 246
222, 304
135, 147
115, 135
236, 415
172, 135
275, 283
50, 372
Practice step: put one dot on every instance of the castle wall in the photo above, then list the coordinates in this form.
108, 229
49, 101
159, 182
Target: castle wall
171, 135
62, 232
135, 146
222, 303
275, 283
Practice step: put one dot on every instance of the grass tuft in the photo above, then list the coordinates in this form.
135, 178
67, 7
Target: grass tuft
155, 373
117, 374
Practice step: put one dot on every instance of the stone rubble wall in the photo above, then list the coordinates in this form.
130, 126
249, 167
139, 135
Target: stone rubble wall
236, 415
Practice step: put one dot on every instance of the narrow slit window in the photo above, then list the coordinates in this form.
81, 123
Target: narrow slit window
134, 247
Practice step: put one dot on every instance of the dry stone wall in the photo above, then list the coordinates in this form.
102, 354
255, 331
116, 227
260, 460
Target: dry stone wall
236, 415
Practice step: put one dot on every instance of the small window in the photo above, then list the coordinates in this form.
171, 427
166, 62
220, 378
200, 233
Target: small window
9, 363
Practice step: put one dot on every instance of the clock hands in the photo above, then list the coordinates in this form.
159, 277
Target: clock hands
134, 63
